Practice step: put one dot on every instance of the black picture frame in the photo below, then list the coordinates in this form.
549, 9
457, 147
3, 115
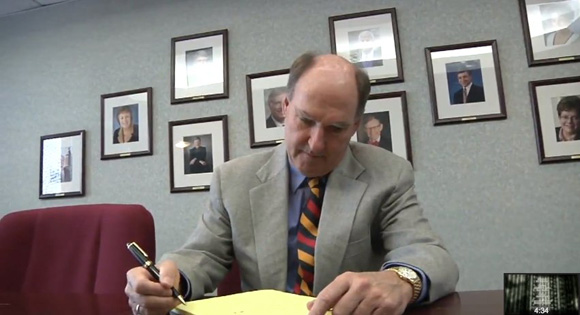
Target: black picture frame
547, 41
353, 36
260, 89
386, 115
191, 166
115, 108
477, 63
199, 67
62, 165
546, 96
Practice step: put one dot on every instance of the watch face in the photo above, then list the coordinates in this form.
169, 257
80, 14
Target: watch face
408, 273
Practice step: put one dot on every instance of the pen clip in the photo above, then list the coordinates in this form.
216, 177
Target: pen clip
135, 246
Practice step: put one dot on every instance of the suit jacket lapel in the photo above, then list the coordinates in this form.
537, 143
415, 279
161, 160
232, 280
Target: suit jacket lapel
269, 206
342, 197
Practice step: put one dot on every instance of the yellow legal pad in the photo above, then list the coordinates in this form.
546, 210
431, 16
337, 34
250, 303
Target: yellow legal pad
259, 302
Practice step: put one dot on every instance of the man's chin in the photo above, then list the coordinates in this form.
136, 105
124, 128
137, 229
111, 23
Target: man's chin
311, 168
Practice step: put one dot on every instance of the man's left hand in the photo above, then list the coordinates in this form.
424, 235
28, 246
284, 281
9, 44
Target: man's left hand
374, 293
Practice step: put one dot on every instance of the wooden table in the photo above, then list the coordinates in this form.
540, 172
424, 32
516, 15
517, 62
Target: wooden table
471, 303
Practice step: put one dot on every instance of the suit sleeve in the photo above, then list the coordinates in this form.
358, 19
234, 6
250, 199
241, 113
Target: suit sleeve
409, 239
458, 97
208, 254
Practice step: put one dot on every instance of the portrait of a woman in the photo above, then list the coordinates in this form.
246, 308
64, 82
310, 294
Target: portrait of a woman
568, 109
560, 22
128, 131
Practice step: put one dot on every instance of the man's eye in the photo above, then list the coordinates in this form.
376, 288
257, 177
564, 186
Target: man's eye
306, 121
336, 129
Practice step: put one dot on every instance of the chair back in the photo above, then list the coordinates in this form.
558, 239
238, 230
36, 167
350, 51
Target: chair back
232, 282
72, 249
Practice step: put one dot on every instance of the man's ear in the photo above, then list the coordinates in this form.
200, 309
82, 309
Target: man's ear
285, 105
356, 125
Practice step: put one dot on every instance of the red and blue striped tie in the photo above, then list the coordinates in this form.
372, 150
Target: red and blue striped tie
307, 233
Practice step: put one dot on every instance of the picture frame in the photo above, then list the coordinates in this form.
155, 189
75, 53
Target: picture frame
266, 92
62, 165
369, 40
385, 123
556, 113
127, 124
551, 31
465, 83
199, 67
196, 148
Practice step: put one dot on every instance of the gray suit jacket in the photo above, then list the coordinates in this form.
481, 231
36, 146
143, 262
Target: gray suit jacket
370, 215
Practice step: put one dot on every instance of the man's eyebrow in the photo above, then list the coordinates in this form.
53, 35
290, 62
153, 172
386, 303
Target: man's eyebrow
303, 114
339, 124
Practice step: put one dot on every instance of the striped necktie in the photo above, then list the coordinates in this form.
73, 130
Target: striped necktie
464, 95
307, 233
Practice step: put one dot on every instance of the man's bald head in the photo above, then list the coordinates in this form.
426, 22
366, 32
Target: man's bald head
323, 63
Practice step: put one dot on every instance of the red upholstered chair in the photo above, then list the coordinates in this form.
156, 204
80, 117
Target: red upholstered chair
231, 283
72, 249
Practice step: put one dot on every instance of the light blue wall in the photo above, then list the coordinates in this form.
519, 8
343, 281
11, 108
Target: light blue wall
480, 184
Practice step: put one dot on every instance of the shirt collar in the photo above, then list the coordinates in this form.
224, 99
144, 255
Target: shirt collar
297, 178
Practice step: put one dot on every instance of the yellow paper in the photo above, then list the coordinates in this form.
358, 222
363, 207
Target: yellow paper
261, 302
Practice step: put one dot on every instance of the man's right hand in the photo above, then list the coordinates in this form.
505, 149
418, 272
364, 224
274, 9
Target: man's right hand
152, 297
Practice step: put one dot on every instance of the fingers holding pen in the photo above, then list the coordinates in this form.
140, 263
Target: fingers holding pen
152, 296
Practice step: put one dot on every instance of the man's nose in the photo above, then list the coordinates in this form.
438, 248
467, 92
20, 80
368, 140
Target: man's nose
316, 141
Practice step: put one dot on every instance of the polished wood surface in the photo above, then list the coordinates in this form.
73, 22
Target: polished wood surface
470, 303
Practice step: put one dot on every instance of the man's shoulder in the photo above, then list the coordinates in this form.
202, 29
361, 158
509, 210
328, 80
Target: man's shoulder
248, 163
375, 158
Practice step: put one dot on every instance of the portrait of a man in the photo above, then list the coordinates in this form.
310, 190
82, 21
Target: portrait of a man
375, 130
365, 50
198, 154
274, 99
568, 112
465, 82
199, 63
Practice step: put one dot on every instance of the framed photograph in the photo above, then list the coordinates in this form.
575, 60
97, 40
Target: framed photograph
126, 124
556, 111
199, 67
62, 165
385, 124
266, 92
465, 83
369, 40
551, 31
196, 147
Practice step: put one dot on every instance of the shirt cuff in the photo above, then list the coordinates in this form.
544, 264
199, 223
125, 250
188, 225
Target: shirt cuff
424, 295
185, 286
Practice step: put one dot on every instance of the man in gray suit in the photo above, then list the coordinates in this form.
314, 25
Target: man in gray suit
374, 250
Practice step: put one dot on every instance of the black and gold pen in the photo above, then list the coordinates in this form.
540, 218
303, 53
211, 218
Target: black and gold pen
144, 260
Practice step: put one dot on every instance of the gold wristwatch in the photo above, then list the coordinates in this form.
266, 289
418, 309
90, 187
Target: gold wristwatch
409, 275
